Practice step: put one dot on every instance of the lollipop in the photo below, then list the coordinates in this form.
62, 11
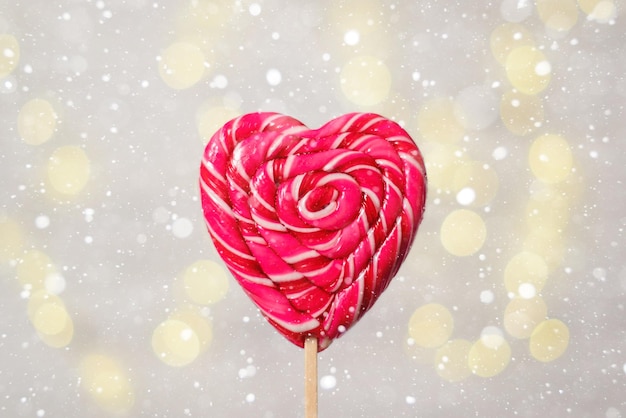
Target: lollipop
313, 224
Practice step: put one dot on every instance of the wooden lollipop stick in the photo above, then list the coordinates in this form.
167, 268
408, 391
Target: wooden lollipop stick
310, 377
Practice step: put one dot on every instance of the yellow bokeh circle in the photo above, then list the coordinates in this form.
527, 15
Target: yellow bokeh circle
32, 269
521, 316
463, 232
507, 37
198, 323
525, 274
9, 54
550, 158
528, 70
437, 122
68, 170
557, 15
487, 358
442, 161
107, 383
175, 343
431, 325
549, 340
210, 119
50, 318
182, 64
602, 11
12, 240
475, 183
521, 113
451, 360
365, 80
205, 282
36, 121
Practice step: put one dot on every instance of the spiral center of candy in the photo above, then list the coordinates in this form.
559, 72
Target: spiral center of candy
332, 203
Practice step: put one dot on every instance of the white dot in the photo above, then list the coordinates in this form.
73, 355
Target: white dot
486, 296
220, 81
328, 382
255, 9
182, 228
499, 153
273, 77
55, 283
42, 221
543, 68
527, 290
410, 400
250, 397
351, 37
466, 196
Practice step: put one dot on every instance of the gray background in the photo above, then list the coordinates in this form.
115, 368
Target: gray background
119, 287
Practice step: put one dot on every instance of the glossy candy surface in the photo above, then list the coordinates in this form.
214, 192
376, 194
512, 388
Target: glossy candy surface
313, 224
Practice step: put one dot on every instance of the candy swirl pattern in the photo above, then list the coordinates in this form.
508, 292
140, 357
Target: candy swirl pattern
313, 224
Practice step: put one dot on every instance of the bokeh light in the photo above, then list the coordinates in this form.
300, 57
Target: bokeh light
175, 343
108, 384
205, 282
463, 232
550, 158
182, 65
12, 240
522, 315
68, 170
32, 269
525, 274
489, 355
365, 80
9, 54
437, 121
36, 121
451, 360
210, 118
50, 318
475, 184
549, 340
528, 69
521, 113
506, 37
558, 15
431, 325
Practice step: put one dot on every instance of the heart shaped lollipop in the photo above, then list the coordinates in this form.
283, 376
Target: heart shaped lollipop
313, 224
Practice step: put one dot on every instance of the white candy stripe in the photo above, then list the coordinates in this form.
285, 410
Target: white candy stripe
410, 159
269, 225
301, 257
298, 328
340, 138
347, 125
217, 200
287, 277
216, 175
369, 124
259, 198
356, 144
268, 121
254, 279
313, 216
373, 197
227, 246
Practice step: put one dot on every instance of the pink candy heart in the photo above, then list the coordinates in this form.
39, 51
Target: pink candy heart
313, 224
